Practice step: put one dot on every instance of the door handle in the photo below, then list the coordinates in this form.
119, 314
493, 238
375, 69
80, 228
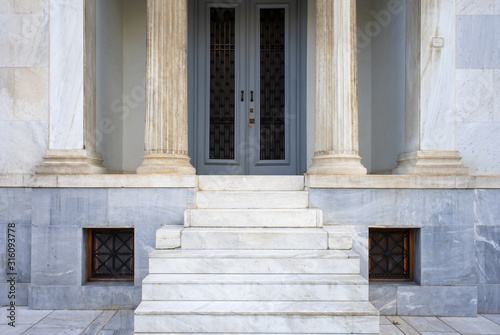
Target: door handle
242, 96
251, 96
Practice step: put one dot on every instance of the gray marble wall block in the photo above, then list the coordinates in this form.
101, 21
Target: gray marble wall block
355, 207
60, 220
478, 39
56, 255
486, 302
487, 243
420, 208
446, 255
384, 298
15, 207
21, 294
148, 206
402, 208
437, 300
84, 297
486, 207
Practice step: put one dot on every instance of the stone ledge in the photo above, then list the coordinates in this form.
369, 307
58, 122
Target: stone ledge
312, 181
403, 182
99, 181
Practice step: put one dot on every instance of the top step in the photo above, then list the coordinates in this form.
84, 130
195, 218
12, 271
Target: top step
251, 183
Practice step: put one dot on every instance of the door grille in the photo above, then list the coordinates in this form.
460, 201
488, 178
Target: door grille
111, 254
390, 254
272, 84
222, 80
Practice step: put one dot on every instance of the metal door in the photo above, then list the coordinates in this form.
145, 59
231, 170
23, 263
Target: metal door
246, 87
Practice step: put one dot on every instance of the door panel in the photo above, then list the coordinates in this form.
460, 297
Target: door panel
246, 72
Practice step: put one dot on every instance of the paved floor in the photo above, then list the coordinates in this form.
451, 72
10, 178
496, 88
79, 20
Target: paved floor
29, 322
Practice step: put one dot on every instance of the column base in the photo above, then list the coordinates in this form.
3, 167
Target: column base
166, 164
337, 165
69, 161
438, 163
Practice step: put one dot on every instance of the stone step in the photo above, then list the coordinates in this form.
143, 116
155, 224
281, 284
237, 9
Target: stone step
251, 183
254, 261
252, 218
297, 317
254, 239
252, 199
170, 333
239, 287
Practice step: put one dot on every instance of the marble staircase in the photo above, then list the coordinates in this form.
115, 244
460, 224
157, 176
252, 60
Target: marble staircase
253, 258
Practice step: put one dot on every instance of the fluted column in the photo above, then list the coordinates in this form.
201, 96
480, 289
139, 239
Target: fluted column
336, 130
166, 135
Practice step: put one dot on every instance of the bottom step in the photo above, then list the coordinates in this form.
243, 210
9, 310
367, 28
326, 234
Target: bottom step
256, 317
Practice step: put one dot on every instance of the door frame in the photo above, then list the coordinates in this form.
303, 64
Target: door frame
298, 97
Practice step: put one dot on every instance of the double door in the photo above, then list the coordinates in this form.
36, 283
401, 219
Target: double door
246, 92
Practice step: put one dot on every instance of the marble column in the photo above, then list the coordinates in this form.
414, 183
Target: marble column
166, 135
336, 127
430, 91
72, 138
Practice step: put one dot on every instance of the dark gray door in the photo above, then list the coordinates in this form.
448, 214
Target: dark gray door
246, 87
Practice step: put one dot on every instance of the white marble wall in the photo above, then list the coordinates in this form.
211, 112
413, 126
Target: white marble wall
473, 129
24, 88
437, 128
66, 74
477, 83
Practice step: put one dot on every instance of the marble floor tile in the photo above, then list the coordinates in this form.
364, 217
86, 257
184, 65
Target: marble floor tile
8, 330
439, 333
475, 326
121, 320
24, 315
403, 325
427, 324
116, 332
493, 317
68, 319
390, 330
54, 331
99, 323
385, 321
